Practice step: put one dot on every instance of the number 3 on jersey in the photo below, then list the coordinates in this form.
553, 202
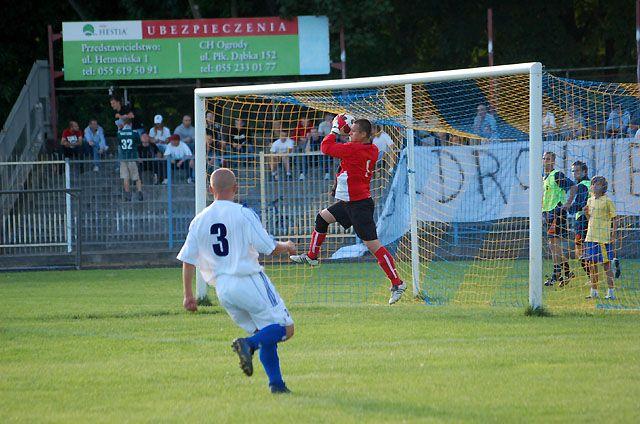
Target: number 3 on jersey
221, 248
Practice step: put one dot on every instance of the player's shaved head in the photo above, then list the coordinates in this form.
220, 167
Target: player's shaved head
223, 184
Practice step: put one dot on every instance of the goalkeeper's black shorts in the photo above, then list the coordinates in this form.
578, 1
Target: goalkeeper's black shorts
358, 214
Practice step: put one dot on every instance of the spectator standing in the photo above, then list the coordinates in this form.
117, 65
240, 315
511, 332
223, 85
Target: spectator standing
187, 132
180, 155
281, 148
124, 111
484, 124
94, 137
549, 127
555, 205
71, 141
159, 134
301, 141
128, 141
150, 152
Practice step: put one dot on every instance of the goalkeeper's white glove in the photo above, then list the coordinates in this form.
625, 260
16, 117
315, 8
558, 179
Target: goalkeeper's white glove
338, 123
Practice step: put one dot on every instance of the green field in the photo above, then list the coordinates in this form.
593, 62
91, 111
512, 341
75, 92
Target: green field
115, 346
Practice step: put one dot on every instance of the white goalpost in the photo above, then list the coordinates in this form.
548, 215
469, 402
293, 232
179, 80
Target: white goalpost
532, 71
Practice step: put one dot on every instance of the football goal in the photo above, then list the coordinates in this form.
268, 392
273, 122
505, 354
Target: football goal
458, 184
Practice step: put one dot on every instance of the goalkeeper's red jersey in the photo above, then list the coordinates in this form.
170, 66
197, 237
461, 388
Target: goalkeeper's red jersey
356, 167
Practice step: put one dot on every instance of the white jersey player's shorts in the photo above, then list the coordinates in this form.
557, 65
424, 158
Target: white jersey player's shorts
252, 301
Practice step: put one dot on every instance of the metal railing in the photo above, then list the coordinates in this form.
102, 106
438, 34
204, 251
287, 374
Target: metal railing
112, 221
52, 228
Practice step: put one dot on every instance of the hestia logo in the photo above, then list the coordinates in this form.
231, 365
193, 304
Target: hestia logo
111, 30
88, 30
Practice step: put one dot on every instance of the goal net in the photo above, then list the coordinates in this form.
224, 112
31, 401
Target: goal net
453, 186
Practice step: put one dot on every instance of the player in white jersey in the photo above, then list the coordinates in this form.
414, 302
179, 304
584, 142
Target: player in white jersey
224, 241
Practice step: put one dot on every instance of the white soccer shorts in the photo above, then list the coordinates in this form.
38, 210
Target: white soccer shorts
252, 301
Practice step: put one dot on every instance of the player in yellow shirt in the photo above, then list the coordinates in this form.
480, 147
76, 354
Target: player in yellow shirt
601, 231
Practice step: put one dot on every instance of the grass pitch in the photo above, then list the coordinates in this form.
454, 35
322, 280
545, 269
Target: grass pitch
114, 346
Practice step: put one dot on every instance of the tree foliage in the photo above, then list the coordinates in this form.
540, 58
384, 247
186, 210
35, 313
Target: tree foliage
382, 36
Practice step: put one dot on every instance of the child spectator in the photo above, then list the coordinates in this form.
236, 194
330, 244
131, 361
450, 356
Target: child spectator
94, 136
72, 141
150, 151
180, 154
128, 141
601, 213
281, 149
159, 133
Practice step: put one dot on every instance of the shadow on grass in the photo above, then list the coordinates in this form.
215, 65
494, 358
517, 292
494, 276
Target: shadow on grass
122, 315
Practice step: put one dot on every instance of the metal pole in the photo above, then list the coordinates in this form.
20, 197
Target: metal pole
79, 233
638, 41
343, 54
490, 52
535, 184
52, 86
263, 192
201, 175
169, 202
490, 35
67, 185
411, 176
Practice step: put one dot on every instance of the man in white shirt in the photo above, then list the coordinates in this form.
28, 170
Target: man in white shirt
180, 154
159, 133
224, 241
281, 149
382, 140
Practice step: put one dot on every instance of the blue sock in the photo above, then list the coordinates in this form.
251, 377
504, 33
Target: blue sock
271, 334
271, 364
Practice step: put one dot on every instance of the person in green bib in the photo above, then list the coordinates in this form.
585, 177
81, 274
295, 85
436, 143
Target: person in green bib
555, 205
580, 173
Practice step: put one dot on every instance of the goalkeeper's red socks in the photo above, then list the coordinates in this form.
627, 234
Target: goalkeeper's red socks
314, 246
385, 260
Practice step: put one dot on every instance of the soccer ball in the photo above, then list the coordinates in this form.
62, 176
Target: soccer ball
344, 122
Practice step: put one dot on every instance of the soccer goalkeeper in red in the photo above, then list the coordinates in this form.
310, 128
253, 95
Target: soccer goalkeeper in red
354, 206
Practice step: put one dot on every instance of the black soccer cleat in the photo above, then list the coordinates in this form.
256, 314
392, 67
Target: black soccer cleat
566, 279
550, 281
245, 353
276, 390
